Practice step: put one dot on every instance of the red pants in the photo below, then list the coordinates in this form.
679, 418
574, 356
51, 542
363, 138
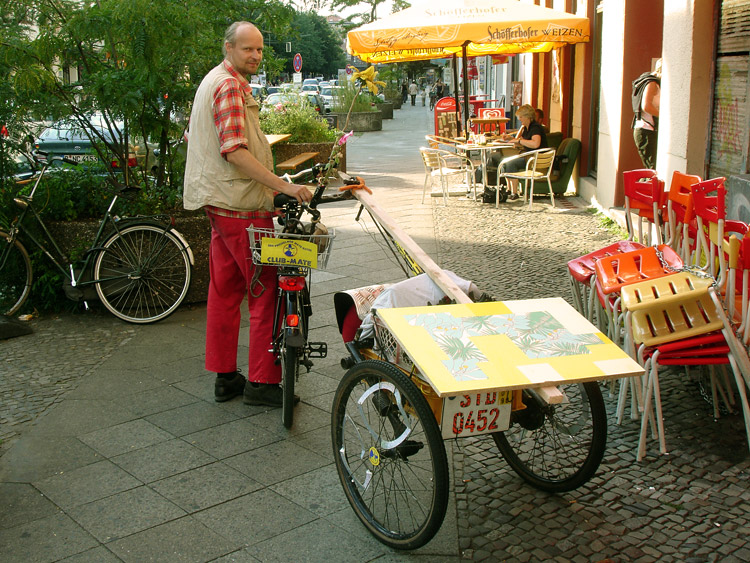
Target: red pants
231, 269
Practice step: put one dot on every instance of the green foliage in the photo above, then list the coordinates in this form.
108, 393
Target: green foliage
347, 97
301, 121
318, 43
139, 62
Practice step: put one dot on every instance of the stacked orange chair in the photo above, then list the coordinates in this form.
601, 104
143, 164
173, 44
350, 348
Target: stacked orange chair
679, 319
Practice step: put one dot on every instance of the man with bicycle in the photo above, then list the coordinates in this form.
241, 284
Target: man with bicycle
229, 174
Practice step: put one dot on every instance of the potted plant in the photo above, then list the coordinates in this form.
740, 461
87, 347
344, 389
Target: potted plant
309, 133
360, 111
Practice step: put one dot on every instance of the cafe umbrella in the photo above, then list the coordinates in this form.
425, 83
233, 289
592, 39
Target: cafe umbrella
447, 28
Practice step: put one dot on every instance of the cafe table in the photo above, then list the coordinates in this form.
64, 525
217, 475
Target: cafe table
484, 150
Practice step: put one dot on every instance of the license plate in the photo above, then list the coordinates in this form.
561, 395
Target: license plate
82, 157
476, 413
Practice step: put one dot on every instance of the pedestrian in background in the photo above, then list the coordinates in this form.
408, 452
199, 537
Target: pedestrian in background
228, 173
413, 91
646, 96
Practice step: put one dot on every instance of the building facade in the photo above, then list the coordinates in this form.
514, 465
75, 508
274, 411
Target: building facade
585, 90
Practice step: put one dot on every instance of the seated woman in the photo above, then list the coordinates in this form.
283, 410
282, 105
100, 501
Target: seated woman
530, 136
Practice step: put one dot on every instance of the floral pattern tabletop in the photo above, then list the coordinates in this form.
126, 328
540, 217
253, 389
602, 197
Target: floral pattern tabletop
505, 345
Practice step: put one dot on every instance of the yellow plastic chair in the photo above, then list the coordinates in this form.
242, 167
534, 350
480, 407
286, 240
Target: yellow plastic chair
445, 166
538, 167
674, 320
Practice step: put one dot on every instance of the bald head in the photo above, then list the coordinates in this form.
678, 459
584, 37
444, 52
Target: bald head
243, 47
230, 35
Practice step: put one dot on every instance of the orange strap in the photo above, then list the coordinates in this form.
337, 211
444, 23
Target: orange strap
359, 186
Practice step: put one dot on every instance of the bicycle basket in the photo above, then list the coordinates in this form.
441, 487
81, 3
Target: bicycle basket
388, 348
291, 249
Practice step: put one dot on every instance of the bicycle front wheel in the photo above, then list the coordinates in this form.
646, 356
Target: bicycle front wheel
142, 274
557, 448
389, 455
15, 275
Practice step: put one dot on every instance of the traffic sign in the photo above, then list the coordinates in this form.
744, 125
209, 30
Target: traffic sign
297, 62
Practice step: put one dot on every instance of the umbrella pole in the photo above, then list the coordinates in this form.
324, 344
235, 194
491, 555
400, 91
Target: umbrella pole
455, 94
467, 103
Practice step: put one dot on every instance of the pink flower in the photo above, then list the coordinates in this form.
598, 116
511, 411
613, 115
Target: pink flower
279, 108
345, 137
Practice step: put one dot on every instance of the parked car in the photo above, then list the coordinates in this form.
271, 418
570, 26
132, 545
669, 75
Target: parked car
308, 98
316, 101
273, 89
324, 84
329, 96
311, 88
312, 81
68, 138
259, 92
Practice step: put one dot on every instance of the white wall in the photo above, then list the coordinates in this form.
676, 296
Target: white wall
610, 101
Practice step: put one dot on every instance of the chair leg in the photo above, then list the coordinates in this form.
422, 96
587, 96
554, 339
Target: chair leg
530, 192
652, 391
551, 193
424, 188
743, 395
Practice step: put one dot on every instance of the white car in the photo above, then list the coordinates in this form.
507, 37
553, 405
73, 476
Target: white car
328, 93
311, 88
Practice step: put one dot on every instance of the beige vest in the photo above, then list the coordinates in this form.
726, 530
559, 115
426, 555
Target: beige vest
209, 178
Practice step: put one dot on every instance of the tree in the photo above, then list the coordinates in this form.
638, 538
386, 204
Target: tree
140, 61
317, 42
370, 6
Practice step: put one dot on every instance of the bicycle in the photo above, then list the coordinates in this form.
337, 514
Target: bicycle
139, 266
390, 417
296, 248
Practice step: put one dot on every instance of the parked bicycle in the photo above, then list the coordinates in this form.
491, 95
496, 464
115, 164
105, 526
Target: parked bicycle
139, 266
301, 244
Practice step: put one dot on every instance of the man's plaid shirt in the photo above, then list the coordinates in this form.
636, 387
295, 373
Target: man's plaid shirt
229, 117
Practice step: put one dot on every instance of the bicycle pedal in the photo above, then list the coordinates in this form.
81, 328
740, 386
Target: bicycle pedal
317, 349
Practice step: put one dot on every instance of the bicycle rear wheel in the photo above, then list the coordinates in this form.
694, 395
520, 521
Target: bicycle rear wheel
15, 275
142, 274
557, 448
289, 357
389, 455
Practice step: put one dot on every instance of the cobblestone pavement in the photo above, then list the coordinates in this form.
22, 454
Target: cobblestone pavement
691, 505
29, 386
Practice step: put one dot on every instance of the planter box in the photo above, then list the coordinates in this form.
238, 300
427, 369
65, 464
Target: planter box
386, 108
194, 228
362, 121
284, 151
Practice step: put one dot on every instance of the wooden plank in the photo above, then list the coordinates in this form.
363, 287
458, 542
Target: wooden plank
550, 394
295, 161
427, 264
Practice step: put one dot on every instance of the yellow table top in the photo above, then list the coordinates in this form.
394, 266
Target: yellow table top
273, 139
505, 345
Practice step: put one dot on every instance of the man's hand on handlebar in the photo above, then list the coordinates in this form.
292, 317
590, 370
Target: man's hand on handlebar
298, 192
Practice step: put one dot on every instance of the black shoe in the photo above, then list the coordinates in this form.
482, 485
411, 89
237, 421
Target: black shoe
229, 387
268, 394
512, 197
